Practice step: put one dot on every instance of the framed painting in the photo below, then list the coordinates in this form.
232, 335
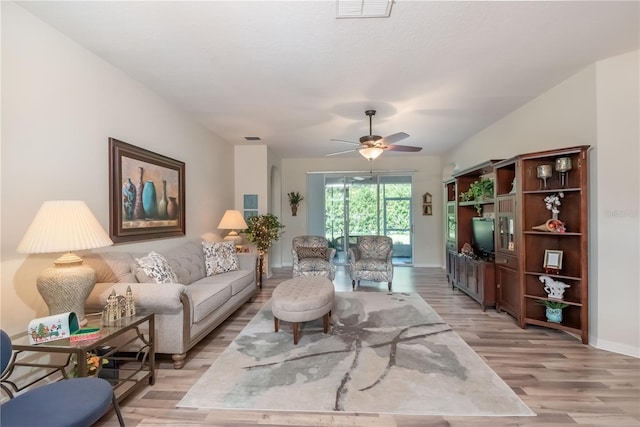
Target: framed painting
146, 194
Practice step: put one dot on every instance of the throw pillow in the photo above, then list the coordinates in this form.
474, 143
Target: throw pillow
312, 252
220, 257
154, 268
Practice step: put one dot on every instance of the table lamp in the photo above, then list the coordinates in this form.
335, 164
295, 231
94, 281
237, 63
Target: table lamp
65, 226
233, 220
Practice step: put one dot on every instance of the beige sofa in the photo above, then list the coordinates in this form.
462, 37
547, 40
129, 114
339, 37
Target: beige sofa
185, 312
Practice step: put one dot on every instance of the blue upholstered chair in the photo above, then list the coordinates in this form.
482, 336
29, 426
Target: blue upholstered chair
77, 402
371, 259
312, 256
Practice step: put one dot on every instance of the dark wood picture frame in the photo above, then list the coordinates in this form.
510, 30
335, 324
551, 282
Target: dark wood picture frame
139, 179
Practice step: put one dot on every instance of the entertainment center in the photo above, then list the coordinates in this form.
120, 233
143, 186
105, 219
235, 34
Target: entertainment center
538, 218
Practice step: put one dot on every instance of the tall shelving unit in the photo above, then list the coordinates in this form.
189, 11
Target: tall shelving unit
507, 260
573, 242
469, 274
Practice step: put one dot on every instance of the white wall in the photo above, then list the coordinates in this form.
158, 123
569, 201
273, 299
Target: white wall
599, 107
428, 237
615, 207
60, 104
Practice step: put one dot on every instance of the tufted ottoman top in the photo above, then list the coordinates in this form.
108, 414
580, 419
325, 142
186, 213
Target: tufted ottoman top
302, 298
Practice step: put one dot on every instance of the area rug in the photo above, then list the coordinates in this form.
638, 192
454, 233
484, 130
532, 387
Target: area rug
384, 353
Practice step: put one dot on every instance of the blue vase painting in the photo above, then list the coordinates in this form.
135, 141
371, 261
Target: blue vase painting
128, 199
149, 200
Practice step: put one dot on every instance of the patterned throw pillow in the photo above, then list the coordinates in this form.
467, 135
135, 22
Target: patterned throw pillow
220, 257
155, 268
310, 252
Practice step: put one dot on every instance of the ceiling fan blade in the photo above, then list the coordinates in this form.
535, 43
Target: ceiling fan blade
345, 141
402, 148
393, 138
342, 152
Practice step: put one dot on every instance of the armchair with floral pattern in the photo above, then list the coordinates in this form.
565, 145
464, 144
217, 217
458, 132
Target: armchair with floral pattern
371, 259
312, 256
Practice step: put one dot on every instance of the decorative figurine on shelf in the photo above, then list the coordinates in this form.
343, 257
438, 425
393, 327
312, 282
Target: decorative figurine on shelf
551, 225
467, 250
111, 312
130, 304
554, 288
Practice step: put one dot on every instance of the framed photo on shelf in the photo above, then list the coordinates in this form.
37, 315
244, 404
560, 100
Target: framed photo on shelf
146, 194
552, 261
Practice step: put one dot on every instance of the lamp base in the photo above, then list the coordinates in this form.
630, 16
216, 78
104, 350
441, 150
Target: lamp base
66, 288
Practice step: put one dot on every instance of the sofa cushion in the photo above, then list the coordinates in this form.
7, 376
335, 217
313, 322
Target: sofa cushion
111, 267
220, 257
187, 260
237, 280
312, 252
154, 268
207, 297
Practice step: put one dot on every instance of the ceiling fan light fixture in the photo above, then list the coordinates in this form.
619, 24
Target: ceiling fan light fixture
371, 153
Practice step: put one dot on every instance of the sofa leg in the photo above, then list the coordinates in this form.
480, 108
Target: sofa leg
389, 285
178, 360
353, 284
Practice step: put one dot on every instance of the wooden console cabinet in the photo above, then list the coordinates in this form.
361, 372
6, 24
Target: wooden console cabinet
475, 277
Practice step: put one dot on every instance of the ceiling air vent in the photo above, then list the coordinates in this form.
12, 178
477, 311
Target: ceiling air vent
364, 8
252, 138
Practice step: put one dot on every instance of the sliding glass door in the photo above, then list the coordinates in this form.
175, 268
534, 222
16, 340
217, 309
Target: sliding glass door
368, 205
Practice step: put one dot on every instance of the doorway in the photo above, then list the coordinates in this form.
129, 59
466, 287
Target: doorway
369, 205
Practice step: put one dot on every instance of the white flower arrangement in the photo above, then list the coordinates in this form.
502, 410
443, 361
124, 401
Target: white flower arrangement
553, 201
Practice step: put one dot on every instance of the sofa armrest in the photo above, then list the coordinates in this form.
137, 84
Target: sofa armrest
157, 297
248, 261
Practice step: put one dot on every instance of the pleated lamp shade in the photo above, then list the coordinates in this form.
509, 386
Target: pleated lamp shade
63, 226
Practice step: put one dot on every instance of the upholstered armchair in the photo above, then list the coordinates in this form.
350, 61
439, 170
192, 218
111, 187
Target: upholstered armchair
312, 256
371, 260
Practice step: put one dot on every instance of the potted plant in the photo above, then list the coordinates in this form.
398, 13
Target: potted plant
294, 200
263, 230
478, 191
553, 310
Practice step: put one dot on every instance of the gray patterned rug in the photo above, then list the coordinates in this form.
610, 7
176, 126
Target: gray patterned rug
384, 353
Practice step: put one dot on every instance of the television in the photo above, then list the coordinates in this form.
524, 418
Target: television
482, 233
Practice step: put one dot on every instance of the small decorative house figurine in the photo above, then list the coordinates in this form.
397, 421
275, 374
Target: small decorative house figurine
130, 304
111, 312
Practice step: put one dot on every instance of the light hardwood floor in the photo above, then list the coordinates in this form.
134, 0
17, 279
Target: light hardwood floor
562, 381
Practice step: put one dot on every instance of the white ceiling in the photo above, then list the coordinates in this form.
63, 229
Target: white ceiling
294, 75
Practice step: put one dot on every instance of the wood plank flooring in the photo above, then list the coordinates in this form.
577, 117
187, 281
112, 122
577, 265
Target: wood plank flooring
564, 382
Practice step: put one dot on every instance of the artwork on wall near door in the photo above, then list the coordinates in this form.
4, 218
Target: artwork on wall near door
146, 194
250, 206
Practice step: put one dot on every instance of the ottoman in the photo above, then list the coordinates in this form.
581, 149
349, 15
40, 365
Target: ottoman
302, 299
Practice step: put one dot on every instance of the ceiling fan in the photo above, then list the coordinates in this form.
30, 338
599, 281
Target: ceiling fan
371, 146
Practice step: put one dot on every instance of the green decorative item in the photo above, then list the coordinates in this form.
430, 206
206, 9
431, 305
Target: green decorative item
553, 310
263, 230
294, 200
478, 191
